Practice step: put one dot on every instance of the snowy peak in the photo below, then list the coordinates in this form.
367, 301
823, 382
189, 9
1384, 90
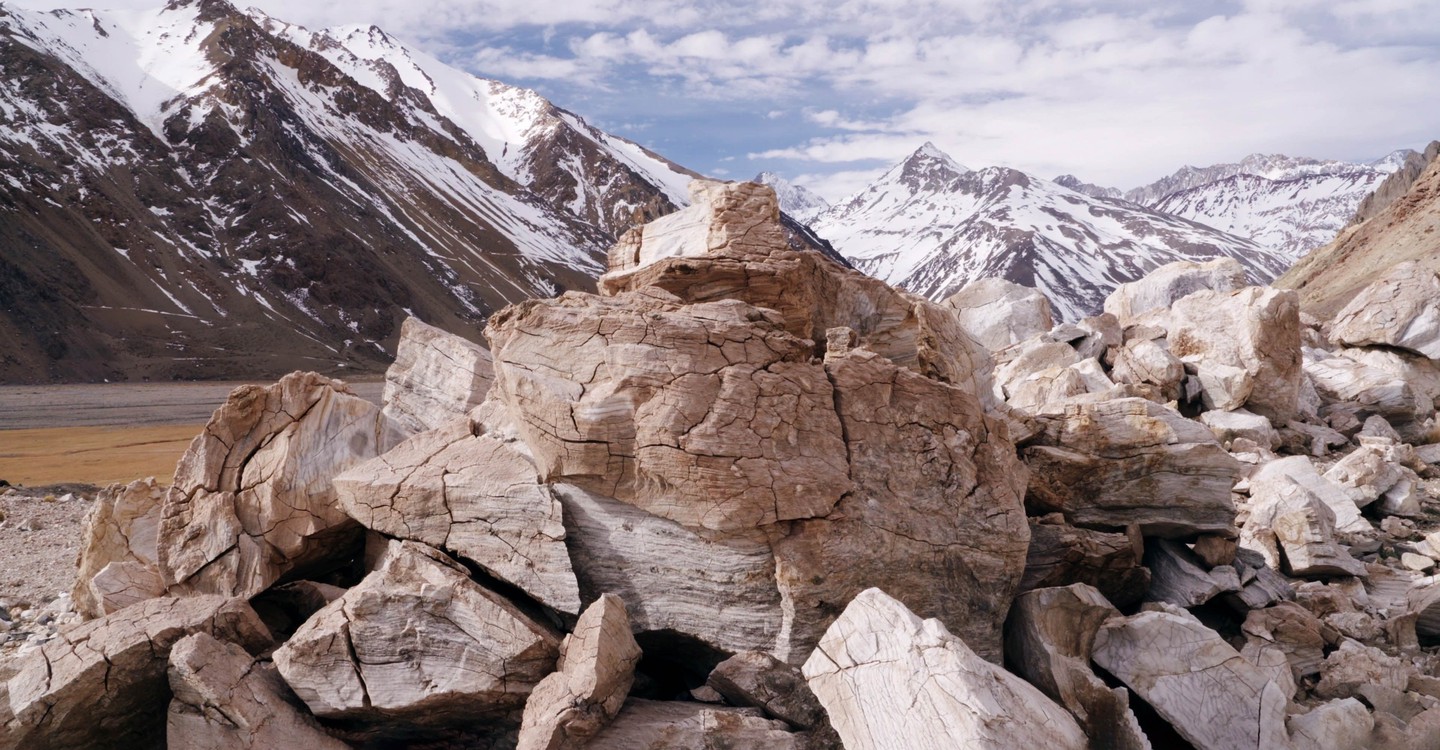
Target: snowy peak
927, 170
795, 200
1094, 191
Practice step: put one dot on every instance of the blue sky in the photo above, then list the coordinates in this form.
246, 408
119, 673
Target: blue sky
1118, 92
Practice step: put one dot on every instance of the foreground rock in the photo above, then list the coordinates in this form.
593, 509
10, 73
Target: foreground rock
102, 684
891, 680
674, 725
117, 565
752, 678
436, 377
1400, 309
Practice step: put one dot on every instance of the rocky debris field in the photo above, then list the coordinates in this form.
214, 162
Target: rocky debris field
746, 497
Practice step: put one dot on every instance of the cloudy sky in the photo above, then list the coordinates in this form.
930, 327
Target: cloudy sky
1118, 92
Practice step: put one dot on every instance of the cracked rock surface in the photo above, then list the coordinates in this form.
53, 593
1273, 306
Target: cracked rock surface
437, 376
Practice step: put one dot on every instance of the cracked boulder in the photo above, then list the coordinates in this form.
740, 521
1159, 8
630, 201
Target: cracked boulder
1211, 694
998, 313
1368, 389
1161, 288
226, 700
891, 680
253, 498
1400, 309
417, 645
117, 565
1144, 361
1292, 524
1130, 461
436, 377
759, 680
102, 684
471, 494
1256, 329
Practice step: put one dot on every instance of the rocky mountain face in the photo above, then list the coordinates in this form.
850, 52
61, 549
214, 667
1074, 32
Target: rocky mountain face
745, 496
931, 226
796, 201
198, 192
1400, 223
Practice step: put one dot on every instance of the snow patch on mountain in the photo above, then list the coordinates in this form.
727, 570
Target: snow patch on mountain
799, 202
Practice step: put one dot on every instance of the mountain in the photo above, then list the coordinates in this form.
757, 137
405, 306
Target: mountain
931, 226
1288, 204
1385, 233
1080, 186
795, 200
197, 191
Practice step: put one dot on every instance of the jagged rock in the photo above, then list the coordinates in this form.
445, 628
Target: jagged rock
102, 683
417, 644
1279, 474
1148, 362
1222, 387
1061, 554
1048, 641
252, 499
1214, 549
1291, 524
1131, 461
1337, 725
1207, 691
1354, 664
1423, 599
890, 680
759, 680
1266, 588
1366, 473
225, 700
1373, 391
473, 495
1256, 329
1294, 630
436, 377
1228, 425
998, 313
675, 725
1317, 440
1376, 426
1422, 373
1102, 333
1176, 575
1401, 309
595, 671
1402, 499
1162, 287
117, 565
1032, 356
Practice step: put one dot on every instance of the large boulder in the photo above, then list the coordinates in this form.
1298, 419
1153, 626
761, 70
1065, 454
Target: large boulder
417, 645
436, 377
759, 680
1371, 389
1400, 309
253, 498
891, 680
1256, 329
1162, 287
1292, 524
998, 313
117, 565
102, 684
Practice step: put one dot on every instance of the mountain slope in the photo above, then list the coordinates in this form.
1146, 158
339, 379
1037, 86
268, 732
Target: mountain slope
189, 192
931, 226
795, 200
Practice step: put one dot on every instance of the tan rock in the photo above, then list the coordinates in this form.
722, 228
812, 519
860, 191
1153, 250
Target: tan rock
1294, 630
417, 644
252, 499
117, 565
675, 725
1146, 361
436, 377
1353, 665
102, 683
1177, 575
1337, 725
1256, 329
891, 680
1162, 287
1401, 308
1223, 387
1288, 515
759, 680
998, 313
595, 671
225, 700
1228, 425
1061, 554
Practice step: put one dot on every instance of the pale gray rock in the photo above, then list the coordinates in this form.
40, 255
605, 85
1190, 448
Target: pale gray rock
1214, 697
1279, 474
1354, 664
226, 700
1177, 576
1400, 309
474, 495
891, 680
1256, 329
1145, 361
1223, 387
1343, 724
436, 377
998, 313
1162, 287
1029, 357
117, 564
253, 498
594, 674
1366, 473
417, 643
102, 684
1228, 425
1373, 390
1291, 524
675, 725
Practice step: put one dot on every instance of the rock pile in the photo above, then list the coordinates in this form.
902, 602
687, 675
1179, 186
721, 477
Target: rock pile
748, 497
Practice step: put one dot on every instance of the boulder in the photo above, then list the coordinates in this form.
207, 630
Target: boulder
1291, 524
1048, 640
419, 645
759, 680
1228, 425
1336, 725
595, 671
1256, 329
1366, 473
117, 565
1207, 691
1223, 387
1400, 309
436, 377
1024, 360
1163, 286
1146, 361
676, 725
1178, 576
1130, 461
474, 495
998, 313
1354, 665
1373, 391
1294, 630
225, 699
102, 684
1061, 554
253, 498
891, 680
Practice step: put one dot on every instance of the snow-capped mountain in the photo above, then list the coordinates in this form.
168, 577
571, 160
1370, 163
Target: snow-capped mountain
1080, 186
198, 191
797, 201
931, 226
1292, 205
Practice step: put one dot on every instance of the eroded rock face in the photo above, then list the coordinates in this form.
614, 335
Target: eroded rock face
1162, 287
998, 313
417, 644
1256, 329
1400, 309
102, 684
253, 497
436, 377
891, 680
117, 565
